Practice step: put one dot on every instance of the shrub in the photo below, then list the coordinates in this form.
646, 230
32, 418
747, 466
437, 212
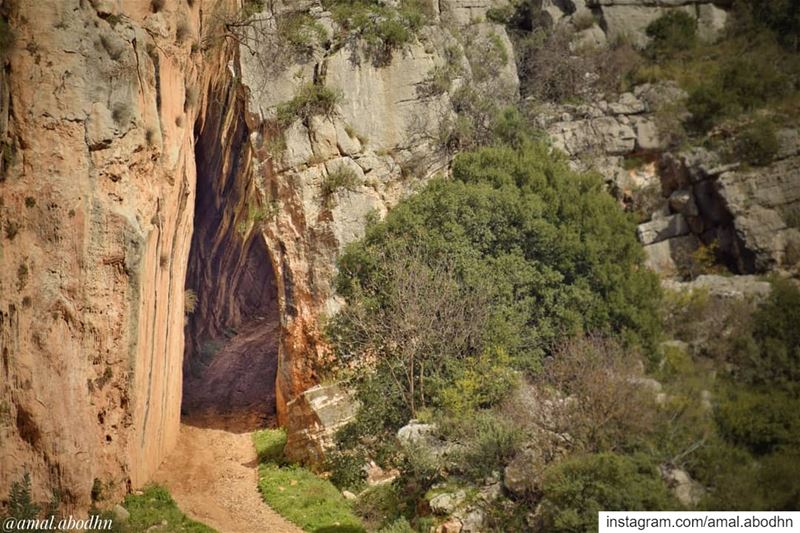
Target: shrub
301, 31
770, 356
400, 525
548, 71
347, 467
500, 15
342, 178
384, 28
758, 144
515, 224
491, 442
761, 421
269, 445
608, 409
707, 104
379, 507
481, 382
20, 502
780, 16
672, 32
312, 99
575, 490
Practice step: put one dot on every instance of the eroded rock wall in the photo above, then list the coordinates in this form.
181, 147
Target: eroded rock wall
97, 204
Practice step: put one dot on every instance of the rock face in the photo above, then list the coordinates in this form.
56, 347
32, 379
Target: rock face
97, 205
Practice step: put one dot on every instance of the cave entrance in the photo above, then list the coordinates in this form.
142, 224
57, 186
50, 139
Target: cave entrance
232, 331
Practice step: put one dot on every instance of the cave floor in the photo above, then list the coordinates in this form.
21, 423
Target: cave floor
236, 391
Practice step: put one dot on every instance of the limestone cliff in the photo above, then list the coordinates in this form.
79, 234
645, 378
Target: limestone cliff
97, 205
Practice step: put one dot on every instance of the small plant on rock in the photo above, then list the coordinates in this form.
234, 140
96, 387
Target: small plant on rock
312, 99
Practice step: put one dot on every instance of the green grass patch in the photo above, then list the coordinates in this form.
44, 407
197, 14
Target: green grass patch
269, 445
309, 501
155, 507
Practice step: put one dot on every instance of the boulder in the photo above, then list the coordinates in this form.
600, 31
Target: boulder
687, 491
447, 502
523, 474
473, 521
647, 136
660, 229
669, 257
682, 201
120, 514
415, 433
378, 476
312, 420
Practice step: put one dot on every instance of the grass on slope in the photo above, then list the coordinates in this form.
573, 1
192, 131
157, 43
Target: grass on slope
154, 507
309, 501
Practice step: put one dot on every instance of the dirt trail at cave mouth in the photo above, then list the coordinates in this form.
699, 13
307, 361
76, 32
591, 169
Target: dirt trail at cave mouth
212, 475
213, 472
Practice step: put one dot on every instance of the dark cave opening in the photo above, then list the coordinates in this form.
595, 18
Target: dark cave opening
232, 331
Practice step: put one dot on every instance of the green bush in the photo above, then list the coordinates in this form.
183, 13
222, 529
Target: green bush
379, 507
551, 248
707, 103
311, 100
672, 32
490, 444
347, 467
576, 489
760, 420
269, 445
400, 525
758, 144
300, 31
780, 16
341, 178
382, 27
767, 485
770, 354
483, 381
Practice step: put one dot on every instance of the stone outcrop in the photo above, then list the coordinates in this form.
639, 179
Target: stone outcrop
313, 419
628, 19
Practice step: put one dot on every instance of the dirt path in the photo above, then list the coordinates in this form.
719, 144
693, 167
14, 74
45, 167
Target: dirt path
212, 476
